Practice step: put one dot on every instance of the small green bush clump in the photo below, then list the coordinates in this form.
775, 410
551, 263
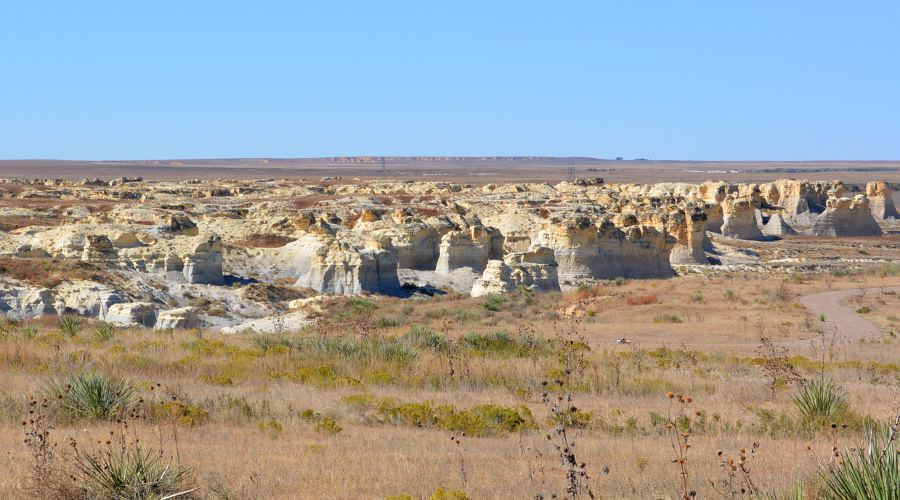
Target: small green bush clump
667, 318
480, 420
359, 305
499, 343
495, 303
321, 423
422, 337
104, 332
181, 413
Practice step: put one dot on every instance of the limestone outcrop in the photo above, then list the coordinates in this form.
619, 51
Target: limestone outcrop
182, 317
739, 217
204, 264
472, 248
777, 227
688, 226
534, 270
340, 269
881, 203
132, 314
638, 252
845, 217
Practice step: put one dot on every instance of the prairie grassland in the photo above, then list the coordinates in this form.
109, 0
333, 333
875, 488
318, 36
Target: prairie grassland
389, 397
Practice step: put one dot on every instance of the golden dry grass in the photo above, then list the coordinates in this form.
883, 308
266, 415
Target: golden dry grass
710, 354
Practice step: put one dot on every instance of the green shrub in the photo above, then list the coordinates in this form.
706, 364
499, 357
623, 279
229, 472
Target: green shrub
821, 399
386, 322
181, 413
495, 303
69, 325
359, 305
422, 337
498, 343
26, 332
871, 470
92, 396
864, 310
480, 420
129, 473
667, 318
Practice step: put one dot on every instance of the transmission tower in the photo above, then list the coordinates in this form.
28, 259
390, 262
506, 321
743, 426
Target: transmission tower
570, 172
383, 170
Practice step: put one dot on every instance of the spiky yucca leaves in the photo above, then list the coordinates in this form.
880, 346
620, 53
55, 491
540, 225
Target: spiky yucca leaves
92, 396
821, 399
130, 473
69, 325
104, 332
871, 471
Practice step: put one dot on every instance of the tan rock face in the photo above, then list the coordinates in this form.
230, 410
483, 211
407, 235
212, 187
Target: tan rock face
98, 247
472, 248
846, 217
688, 226
739, 215
880, 201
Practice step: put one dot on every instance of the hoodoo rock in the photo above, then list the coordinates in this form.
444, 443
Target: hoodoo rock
576, 247
98, 247
846, 217
740, 219
204, 265
688, 226
880, 202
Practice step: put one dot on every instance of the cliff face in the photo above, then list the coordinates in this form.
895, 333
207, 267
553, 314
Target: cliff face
638, 251
471, 248
846, 217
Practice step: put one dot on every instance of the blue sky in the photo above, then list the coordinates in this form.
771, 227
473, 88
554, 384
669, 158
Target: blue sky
788, 80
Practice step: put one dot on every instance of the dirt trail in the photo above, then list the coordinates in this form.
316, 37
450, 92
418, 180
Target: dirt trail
849, 325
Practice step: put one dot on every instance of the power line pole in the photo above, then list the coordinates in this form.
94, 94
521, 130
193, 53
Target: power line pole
384, 172
570, 172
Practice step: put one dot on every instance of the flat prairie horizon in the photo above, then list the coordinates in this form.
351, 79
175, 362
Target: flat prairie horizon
468, 169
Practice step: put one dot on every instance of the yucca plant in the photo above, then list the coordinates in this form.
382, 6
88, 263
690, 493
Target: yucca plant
104, 332
92, 396
821, 399
871, 471
69, 325
130, 473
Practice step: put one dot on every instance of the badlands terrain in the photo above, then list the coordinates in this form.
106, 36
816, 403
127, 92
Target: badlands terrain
341, 337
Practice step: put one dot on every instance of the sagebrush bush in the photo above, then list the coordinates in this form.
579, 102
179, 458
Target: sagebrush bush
821, 399
92, 396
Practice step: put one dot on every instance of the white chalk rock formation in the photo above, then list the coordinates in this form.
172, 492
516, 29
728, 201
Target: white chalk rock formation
204, 264
22, 303
576, 248
132, 314
846, 217
535, 270
339, 268
183, 317
472, 248
739, 216
98, 248
180, 225
880, 201
777, 227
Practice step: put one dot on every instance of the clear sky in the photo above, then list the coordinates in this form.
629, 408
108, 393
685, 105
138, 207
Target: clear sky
718, 79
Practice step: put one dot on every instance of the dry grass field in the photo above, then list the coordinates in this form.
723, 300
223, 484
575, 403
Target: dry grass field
460, 396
